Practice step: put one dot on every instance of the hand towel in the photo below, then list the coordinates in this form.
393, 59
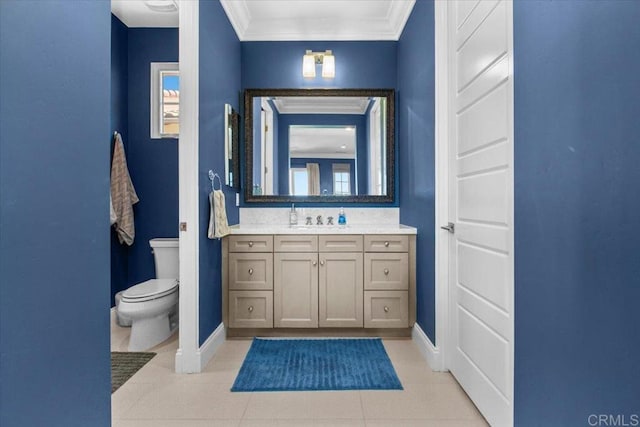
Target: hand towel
123, 195
218, 225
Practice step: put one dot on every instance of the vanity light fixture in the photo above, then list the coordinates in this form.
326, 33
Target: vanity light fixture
311, 59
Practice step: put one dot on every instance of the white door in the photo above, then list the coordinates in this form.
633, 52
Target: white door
480, 354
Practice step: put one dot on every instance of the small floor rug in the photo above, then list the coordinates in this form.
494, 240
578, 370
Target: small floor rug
316, 364
125, 364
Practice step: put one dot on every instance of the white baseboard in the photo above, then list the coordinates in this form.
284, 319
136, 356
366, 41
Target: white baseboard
210, 346
195, 362
430, 352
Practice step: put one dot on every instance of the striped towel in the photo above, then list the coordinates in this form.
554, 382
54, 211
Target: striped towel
123, 195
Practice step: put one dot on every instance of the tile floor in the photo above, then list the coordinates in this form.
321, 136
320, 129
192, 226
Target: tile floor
157, 397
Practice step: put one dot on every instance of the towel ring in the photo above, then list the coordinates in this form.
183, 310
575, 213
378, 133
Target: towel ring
212, 177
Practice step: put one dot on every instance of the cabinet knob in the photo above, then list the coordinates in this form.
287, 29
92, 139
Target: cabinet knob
250, 244
321, 262
386, 244
314, 263
386, 309
386, 271
251, 271
251, 308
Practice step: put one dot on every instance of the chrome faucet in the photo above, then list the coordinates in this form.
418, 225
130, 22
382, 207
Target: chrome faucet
319, 220
309, 221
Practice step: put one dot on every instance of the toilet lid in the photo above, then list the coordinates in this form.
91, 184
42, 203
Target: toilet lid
151, 289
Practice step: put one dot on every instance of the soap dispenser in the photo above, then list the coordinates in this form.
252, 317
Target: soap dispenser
342, 218
293, 215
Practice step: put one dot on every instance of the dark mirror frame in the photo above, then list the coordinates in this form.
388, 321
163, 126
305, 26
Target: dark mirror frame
250, 94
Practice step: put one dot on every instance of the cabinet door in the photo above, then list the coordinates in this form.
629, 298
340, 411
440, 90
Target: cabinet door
250, 309
341, 290
249, 271
386, 309
386, 271
295, 290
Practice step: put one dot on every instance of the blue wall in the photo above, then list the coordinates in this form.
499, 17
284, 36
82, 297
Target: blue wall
153, 163
416, 59
279, 65
219, 84
120, 123
54, 213
577, 268
357, 120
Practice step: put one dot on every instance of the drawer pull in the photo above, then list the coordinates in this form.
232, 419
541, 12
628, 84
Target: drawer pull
321, 262
386, 271
314, 263
251, 309
250, 244
251, 271
386, 244
386, 309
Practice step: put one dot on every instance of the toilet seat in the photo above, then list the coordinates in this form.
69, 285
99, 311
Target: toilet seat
149, 290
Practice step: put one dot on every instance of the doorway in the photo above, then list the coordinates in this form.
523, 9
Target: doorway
474, 201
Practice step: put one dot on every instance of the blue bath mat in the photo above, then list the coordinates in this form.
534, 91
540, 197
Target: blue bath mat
316, 364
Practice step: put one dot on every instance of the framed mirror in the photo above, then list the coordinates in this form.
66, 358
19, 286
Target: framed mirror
319, 145
231, 149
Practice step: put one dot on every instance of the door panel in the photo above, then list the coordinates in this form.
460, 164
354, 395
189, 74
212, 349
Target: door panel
341, 290
295, 290
484, 122
474, 336
480, 40
485, 273
481, 204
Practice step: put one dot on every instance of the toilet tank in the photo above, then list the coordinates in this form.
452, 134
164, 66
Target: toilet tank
165, 255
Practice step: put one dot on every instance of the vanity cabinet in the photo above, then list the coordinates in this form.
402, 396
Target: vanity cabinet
338, 282
386, 271
249, 277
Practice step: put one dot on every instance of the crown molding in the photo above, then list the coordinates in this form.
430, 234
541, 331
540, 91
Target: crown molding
239, 15
398, 15
351, 28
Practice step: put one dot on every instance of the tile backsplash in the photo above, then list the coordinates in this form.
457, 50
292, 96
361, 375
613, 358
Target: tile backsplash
355, 216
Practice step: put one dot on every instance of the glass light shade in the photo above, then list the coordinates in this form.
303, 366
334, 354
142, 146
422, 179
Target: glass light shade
308, 65
328, 66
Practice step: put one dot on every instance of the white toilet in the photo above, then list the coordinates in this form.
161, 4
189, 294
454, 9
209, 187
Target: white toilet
152, 306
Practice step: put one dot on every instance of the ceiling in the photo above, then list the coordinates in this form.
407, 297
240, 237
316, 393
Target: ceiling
338, 142
272, 20
321, 104
136, 13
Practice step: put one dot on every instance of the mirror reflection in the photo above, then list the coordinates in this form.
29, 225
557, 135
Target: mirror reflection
319, 145
231, 151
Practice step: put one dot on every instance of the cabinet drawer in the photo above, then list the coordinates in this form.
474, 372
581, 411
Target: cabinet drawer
386, 309
250, 243
249, 271
295, 243
386, 271
250, 309
386, 243
341, 243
